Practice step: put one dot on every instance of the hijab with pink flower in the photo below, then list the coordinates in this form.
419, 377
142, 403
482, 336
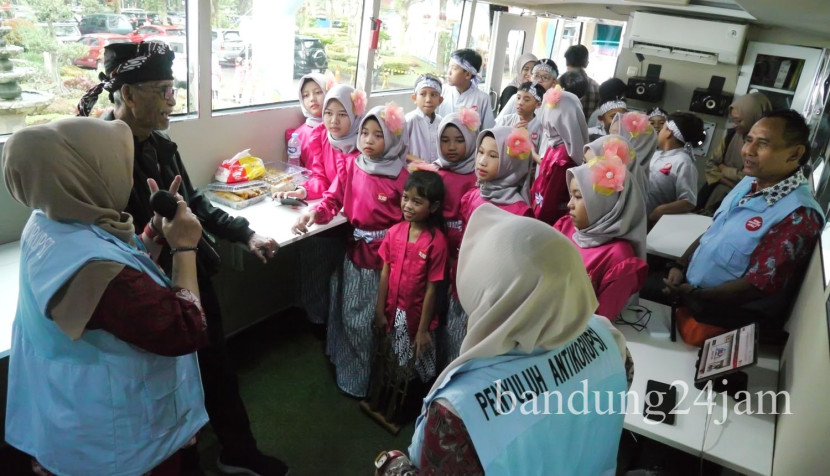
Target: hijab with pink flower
392, 123
563, 122
354, 101
467, 121
636, 129
511, 182
614, 204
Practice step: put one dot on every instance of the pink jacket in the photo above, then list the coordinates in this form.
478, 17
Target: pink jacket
615, 271
328, 164
309, 147
473, 199
371, 203
411, 267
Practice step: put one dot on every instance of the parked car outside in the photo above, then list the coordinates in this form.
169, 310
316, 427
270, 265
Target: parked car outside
309, 56
65, 32
177, 18
137, 16
105, 23
227, 45
142, 32
179, 46
96, 43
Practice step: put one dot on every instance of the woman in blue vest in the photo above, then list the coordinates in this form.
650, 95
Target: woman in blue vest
532, 341
103, 377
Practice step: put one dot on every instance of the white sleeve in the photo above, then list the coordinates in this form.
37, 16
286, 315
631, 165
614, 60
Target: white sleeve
686, 185
508, 108
448, 102
487, 120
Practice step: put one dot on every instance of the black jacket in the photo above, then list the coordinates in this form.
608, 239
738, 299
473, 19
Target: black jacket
158, 158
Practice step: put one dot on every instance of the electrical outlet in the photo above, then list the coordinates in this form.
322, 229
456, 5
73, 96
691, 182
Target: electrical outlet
631, 71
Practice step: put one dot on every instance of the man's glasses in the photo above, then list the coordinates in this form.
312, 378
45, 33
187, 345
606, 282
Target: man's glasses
166, 92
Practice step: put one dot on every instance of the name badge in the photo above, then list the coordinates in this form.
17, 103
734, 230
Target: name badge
382, 197
422, 254
666, 169
754, 223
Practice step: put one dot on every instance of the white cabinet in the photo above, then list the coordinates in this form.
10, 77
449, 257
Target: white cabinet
783, 73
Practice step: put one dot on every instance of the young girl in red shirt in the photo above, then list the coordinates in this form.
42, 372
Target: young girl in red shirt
414, 254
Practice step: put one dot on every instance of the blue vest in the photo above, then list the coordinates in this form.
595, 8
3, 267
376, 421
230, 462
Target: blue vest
726, 247
96, 405
531, 439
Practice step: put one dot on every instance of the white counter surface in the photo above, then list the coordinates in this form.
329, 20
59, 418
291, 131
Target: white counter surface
743, 442
673, 234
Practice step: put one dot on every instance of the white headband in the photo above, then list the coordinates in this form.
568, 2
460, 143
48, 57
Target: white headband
657, 112
688, 146
546, 68
675, 131
427, 82
612, 104
532, 91
466, 66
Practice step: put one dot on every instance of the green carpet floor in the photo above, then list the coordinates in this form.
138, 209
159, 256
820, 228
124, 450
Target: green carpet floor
297, 414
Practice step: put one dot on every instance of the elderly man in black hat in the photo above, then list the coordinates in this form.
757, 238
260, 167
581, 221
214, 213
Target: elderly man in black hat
139, 80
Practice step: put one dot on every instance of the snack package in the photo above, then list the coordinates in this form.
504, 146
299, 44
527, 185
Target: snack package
240, 168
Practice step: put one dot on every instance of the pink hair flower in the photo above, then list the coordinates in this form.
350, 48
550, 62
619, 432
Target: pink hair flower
636, 123
552, 96
421, 165
392, 115
518, 143
608, 175
469, 118
619, 148
358, 97
330, 80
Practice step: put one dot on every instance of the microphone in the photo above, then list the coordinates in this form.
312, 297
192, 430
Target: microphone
165, 204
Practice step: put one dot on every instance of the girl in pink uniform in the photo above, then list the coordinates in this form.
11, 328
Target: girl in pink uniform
456, 161
502, 175
607, 222
343, 109
312, 95
414, 254
331, 145
564, 133
369, 192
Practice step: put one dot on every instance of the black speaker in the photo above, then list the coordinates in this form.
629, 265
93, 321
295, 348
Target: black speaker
708, 102
645, 89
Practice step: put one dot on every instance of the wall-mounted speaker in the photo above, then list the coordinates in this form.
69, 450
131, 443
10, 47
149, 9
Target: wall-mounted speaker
645, 89
708, 102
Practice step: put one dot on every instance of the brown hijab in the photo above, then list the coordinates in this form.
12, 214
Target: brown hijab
751, 107
77, 169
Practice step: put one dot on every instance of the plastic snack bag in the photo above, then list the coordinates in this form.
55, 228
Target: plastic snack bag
240, 168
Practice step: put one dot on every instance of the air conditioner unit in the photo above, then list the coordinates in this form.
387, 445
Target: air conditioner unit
686, 39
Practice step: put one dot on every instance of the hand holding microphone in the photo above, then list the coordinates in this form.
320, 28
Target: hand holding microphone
180, 226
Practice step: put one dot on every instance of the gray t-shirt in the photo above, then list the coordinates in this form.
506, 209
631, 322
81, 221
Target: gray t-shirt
672, 177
